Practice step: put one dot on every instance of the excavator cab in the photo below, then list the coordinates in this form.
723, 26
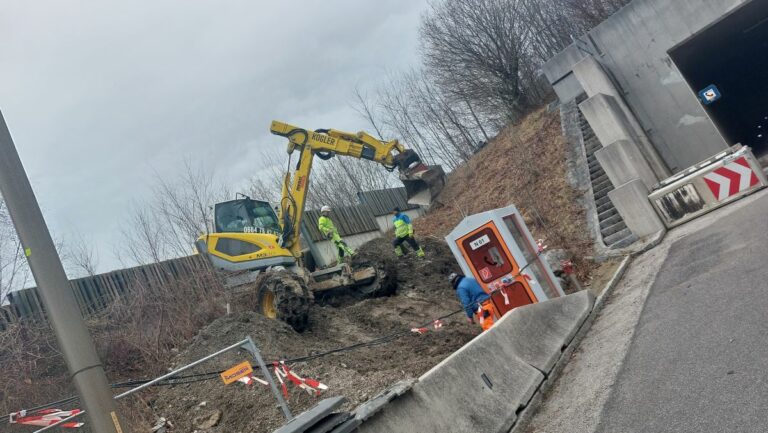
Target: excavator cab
246, 236
245, 215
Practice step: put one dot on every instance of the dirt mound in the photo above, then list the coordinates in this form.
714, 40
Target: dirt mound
423, 294
412, 272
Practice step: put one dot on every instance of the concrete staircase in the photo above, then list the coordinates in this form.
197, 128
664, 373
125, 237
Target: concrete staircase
612, 227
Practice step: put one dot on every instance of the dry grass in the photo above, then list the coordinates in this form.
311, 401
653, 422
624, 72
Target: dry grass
135, 338
525, 166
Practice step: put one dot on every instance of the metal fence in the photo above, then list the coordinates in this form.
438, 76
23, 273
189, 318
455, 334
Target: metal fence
96, 293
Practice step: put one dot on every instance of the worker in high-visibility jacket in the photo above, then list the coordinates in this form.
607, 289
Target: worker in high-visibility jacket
477, 303
326, 227
404, 234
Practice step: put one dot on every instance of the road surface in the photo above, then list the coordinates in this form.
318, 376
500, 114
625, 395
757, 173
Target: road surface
682, 345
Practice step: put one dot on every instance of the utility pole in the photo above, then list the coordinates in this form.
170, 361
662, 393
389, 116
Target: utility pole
53, 287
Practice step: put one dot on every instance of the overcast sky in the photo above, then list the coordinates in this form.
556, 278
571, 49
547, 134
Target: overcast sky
100, 95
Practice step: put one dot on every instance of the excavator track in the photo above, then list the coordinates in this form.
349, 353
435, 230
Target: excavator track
384, 283
284, 296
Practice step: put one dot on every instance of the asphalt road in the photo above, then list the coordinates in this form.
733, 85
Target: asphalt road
698, 361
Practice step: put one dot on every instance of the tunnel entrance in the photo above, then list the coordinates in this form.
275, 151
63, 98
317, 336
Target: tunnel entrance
732, 54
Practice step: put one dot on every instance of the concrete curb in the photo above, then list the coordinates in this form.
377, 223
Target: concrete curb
617, 276
525, 416
635, 250
486, 384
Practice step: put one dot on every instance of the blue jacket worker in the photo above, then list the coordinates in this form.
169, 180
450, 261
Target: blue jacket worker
477, 303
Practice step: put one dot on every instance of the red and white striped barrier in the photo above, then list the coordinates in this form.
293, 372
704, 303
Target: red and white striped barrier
708, 185
731, 179
45, 417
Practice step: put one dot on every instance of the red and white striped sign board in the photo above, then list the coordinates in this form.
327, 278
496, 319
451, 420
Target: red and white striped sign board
731, 179
45, 417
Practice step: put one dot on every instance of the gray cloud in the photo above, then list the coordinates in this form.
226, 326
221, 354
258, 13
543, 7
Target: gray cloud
100, 95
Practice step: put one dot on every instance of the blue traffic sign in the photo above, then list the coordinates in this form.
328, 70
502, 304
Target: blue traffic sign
710, 94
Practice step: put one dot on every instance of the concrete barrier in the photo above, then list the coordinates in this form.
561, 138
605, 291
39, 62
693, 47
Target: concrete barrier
483, 385
631, 201
539, 333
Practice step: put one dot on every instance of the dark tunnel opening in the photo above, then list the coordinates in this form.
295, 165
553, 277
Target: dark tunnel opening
732, 54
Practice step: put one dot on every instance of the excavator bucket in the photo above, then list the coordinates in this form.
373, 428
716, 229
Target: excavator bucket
423, 184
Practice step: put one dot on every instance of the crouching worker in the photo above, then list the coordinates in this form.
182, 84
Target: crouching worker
404, 233
477, 304
326, 227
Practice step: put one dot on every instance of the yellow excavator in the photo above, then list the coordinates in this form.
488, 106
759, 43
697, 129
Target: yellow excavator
260, 252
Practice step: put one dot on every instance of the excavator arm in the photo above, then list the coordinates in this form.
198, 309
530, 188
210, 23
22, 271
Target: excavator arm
422, 183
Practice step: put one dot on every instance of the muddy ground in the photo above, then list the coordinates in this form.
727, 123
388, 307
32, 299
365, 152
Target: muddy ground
423, 294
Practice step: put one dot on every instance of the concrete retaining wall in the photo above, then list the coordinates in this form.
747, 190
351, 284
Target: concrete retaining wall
483, 386
633, 45
623, 162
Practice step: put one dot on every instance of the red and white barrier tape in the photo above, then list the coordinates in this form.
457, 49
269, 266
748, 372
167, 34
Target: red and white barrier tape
249, 380
437, 324
480, 314
284, 375
45, 417
310, 385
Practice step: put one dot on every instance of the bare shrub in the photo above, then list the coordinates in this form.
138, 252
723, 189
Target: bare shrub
136, 337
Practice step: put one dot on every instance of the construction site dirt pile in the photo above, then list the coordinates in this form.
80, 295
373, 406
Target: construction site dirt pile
423, 295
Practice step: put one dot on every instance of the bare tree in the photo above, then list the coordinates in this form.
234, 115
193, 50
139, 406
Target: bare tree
367, 110
180, 210
443, 127
589, 13
476, 47
143, 239
14, 272
82, 258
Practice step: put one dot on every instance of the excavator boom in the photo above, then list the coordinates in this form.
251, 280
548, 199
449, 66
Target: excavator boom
422, 183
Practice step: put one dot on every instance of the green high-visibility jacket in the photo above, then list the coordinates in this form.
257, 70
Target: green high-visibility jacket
326, 227
403, 226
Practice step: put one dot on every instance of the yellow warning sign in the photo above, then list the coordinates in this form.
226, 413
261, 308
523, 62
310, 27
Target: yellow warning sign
239, 371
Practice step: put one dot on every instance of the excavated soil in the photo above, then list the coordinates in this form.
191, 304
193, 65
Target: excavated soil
423, 295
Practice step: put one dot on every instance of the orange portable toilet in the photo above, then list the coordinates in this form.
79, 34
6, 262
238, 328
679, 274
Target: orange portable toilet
498, 250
